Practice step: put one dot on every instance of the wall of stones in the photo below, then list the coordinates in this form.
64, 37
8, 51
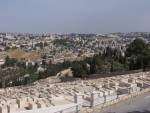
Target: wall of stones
100, 106
95, 76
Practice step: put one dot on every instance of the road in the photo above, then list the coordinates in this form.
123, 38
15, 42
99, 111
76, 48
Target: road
139, 104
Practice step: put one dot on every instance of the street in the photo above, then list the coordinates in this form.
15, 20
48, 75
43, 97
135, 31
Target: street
139, 104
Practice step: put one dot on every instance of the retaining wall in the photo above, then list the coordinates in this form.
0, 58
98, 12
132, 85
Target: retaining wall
100, 106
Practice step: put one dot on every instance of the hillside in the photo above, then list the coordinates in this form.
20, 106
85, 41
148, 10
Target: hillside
19, 54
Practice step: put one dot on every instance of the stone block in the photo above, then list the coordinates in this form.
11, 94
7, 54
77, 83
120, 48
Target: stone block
48, 103
3, 109
12, 107
29, 99
3, 102
11, 101
78, 107
78, 98
123, 90
114, 84
22, 103
110, 92
41, 105
33, 105
115, 87
35, 99
58, 97
131, 80
106, 93
95, 95
101, 94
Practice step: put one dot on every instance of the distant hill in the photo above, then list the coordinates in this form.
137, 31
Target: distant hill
19, 54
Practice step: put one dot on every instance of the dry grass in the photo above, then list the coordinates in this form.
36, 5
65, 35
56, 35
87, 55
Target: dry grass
19, 54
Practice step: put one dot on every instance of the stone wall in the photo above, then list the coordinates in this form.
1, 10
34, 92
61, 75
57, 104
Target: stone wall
100, 106
95, 76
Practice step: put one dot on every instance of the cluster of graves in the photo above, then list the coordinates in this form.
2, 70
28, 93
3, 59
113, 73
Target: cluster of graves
25, 99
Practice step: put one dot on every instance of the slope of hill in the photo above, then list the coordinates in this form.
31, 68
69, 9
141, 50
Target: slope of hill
19, 54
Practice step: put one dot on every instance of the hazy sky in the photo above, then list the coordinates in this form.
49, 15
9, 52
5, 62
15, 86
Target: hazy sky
74, 16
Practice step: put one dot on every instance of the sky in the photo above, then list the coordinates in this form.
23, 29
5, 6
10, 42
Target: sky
74, 16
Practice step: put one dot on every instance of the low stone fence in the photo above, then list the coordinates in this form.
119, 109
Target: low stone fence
95, 76
114, 101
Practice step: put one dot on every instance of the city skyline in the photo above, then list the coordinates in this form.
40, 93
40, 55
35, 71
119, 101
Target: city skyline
86, 16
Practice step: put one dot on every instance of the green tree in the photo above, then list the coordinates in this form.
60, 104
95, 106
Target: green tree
135, 53
7, 61
137, 47
78, 70
7, 48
